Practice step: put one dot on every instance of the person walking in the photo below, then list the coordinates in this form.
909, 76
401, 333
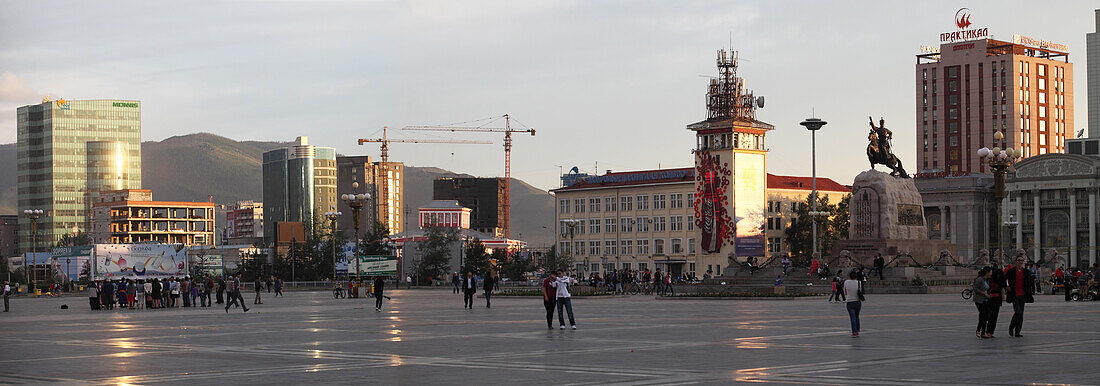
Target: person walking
469, 288
148, 287
488, 284
93, 295
7, 294
234, 291
996, 297
1018, 292
880, 265
379, 287
853, 293
185, 291
259, 287
549, 297
408, 281
207, 290
786, 263
454, 283
278, 287
980, 287
561, 293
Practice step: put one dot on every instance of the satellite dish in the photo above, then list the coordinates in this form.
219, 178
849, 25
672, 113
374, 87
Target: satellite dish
760, 102
1080, 133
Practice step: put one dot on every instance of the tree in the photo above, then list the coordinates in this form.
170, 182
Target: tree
476, 260
799, 235
552, 261
435, 252
374, 242
74, 240
85, 276
516, 265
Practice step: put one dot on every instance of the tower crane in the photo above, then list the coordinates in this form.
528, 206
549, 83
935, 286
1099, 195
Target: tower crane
507, 130
385, 141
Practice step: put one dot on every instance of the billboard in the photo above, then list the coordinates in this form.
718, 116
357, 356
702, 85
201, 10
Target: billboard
73, 259
749, 199
138, 261
377, 265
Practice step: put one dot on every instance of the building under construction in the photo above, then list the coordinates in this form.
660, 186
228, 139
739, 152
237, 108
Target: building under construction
383, 181
484, 196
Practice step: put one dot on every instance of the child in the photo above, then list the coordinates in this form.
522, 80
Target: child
778, 280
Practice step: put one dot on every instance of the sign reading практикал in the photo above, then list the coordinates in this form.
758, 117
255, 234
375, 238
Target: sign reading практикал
377, 265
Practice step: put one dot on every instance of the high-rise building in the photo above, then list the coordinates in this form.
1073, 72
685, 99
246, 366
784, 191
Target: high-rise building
484, 197
9, 237
1092, 48
969, 90
383, 181
299, 185
68, 152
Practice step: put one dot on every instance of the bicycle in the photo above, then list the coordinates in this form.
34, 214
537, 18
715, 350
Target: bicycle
641, 288
968, 293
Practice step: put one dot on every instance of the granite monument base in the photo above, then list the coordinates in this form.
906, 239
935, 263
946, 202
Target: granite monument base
921, 251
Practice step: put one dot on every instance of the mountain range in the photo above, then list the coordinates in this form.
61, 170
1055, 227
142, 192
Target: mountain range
193, 167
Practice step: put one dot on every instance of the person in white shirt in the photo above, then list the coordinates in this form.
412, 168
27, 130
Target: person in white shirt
7, 294
563, 298
854, 304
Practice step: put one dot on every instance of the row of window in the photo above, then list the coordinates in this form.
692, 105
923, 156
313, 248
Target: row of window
626, 203
675, 246
627, 224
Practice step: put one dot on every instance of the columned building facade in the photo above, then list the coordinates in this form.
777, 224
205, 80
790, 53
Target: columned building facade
960, 208
1054, 200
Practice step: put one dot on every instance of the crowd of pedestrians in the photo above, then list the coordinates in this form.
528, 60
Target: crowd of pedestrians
1015, 284
174, 292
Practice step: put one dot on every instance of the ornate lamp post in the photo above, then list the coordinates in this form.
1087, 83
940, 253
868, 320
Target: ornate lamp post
356, 202
33, 215
999, 161
572, 224
813, 125
333, 216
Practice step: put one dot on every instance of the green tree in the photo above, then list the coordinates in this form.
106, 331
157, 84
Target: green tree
552, 261
74, 239
476, 260
435, 252
799, 235
515, 265
374, 241
85, 276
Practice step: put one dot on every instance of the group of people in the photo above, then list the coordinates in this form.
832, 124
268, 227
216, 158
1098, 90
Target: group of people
838, 293
174, 292
993, 286
1075, 279
555, 292
467, 285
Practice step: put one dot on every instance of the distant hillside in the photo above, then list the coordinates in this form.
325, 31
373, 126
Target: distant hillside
191, 167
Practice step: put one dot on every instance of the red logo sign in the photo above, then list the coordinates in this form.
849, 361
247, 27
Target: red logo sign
962, 18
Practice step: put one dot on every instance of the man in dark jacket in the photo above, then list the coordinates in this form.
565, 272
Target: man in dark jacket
880, 264
379, 286
1018, 292
469, 288
488, 285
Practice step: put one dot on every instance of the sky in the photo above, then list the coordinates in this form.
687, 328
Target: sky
607, 85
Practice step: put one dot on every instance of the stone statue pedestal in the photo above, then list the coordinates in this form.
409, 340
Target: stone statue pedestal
887, 217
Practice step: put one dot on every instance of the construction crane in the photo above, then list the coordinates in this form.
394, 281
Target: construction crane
507, 130
385, 141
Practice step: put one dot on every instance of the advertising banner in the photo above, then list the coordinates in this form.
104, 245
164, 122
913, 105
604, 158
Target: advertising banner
139, 261
377, 265
73, 259
749, 203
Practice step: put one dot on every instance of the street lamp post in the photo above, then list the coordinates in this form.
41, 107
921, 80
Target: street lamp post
571, 224
356, 202
33, 215
333, 216
813, 125
999, 161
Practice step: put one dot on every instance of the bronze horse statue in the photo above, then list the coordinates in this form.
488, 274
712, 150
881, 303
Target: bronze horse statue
878, 150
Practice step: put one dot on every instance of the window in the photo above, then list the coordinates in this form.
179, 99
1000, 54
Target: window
676, 223
659, 224
594, 226
691, 246
626, 266
594, 247
609, 225
643, 266
691, 222
609, 247
676, 200
626, 248
609, 204
594, 204
564, 248
627, 225
770, 220
578, 205
579, 228
643, 224
563, 206
643, 249
579, 247
596, 267
580, 268
658, 246
677, 246
658, 201
691, 200
625, 203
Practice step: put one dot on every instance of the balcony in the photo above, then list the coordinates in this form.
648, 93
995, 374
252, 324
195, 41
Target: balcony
1054, 203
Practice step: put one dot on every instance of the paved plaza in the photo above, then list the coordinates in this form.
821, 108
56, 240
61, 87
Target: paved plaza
425, 337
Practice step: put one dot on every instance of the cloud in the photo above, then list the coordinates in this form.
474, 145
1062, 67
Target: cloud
13, 90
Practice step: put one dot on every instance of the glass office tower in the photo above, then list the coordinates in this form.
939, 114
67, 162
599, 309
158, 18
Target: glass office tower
299, 185
68, 152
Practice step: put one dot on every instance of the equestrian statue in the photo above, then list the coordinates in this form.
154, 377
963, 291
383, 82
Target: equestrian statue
878, 150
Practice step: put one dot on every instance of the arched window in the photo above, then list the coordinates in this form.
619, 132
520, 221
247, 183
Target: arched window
1055, 229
